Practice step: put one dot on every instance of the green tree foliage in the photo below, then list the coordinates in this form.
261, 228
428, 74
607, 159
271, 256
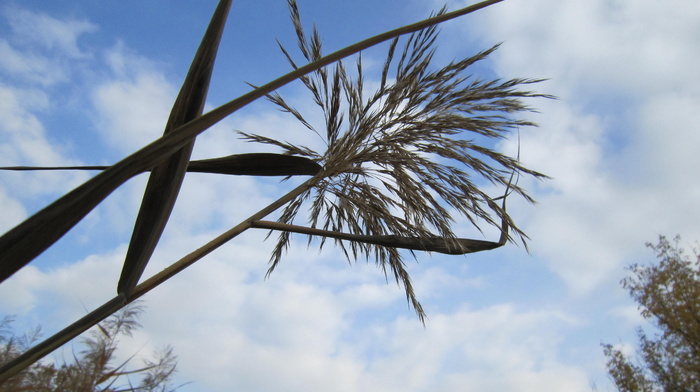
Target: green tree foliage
92, 368
668, 295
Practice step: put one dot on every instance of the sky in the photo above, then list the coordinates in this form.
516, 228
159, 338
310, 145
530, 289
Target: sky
85, 82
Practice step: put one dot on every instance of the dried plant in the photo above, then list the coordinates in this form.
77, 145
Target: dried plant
404, 159
399, 167
94, 367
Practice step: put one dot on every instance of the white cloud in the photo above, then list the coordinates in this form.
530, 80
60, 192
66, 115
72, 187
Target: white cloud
640, 46
60, 36
62, 294
132, 106
23, 141
630, 315
312, 326
671, 125
35, 68
232, 330
35, 53
19, 292
21, 129
437, 281
490, 349
14, 211
41, 48
621, 137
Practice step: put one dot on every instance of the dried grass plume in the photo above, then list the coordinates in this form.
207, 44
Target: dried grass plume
403, 159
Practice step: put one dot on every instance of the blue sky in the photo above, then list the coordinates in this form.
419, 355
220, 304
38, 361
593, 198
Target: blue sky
90, 82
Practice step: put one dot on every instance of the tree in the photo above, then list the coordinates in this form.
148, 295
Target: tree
668, 294
93, 368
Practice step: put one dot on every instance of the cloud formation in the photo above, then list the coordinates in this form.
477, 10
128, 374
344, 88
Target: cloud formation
618, 140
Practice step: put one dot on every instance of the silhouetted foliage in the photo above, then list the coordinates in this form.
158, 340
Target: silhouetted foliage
92, 369
668, 294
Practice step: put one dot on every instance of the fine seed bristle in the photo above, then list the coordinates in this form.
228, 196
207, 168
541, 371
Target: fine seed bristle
404, 159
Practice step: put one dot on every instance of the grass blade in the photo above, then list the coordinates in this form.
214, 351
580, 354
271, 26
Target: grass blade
166, 178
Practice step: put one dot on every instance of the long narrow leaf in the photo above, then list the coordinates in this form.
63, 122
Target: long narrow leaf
252, 164
257, 164
450, 246
166, 178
